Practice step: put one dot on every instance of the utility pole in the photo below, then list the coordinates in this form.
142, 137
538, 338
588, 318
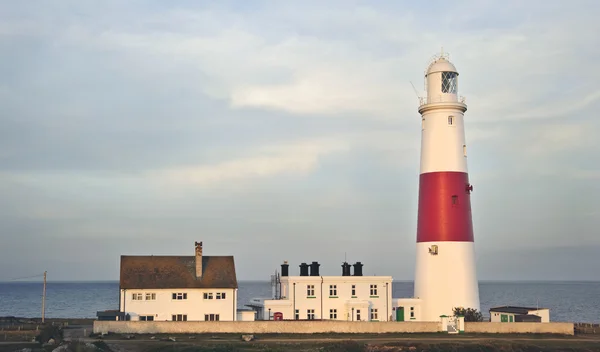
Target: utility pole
44, 299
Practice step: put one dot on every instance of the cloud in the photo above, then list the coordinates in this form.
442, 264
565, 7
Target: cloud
559, 109
366, 71
297, 159
559, 137
288, 123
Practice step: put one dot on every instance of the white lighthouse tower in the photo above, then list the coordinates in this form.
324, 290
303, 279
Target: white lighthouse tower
445, 260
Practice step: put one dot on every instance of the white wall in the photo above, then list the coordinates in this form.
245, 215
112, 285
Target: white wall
446, 280
496, 317
195, 306
410, 305
322, 302
543, 313
246, 315
441, 142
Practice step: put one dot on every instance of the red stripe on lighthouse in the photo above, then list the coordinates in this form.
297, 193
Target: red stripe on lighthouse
444, 207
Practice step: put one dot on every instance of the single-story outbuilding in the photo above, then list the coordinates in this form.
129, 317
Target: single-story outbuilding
512, 314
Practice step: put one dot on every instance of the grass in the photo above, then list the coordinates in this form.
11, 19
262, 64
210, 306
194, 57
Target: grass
353, 346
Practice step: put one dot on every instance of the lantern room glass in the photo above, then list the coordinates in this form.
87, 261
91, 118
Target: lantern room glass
449, 82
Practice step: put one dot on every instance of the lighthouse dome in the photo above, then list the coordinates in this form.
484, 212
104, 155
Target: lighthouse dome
441, 65
441, 81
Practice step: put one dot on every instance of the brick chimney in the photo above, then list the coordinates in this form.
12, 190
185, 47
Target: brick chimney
198, 260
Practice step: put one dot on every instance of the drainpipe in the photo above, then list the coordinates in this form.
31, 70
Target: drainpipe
294, 312
124, 299
234, 307
321, 297
387, 314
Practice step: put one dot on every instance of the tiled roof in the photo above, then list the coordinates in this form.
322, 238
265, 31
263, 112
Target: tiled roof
140, 272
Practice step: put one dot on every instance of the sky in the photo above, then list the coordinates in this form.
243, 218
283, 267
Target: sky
287, 130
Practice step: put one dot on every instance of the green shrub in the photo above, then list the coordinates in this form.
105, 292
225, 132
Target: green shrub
470, 314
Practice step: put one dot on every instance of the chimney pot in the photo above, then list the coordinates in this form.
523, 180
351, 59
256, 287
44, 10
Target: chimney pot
285, 268
303, 269
198, 259
346, 269
314, 269
358, 269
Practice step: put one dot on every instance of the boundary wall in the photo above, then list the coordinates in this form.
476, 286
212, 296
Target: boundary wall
315, 327
520, 328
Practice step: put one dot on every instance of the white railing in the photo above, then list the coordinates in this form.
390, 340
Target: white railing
440, 99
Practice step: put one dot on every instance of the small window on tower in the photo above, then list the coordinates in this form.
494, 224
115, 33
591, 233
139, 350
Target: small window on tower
455, 200
450, 120
423, 123
465, 150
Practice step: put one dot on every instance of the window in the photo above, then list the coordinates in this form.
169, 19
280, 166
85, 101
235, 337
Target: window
454, 200
358, 314
412, 312
297, 314
146, 317
450, 120
353, 290
179, 317
150, 296
374, 315
373, 290
333, 290
179, 296
220, 295
310, 314
136, 296
333, 314
449, 82
310, 290
465, 150
423, 123
211, 317
208, 295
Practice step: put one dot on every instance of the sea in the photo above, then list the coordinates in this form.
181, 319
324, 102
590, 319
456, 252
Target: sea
568, 301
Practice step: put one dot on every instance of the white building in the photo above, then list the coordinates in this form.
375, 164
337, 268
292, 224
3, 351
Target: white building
178, 288
512, 314
406, 309
347, 297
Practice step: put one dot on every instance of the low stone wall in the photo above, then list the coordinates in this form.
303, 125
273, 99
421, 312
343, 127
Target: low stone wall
261, 327
315, 327
520, 328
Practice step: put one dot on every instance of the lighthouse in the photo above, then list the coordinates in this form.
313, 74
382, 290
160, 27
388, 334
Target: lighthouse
445, 275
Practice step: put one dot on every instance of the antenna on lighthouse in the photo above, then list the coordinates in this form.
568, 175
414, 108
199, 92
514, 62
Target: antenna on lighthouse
415, 89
